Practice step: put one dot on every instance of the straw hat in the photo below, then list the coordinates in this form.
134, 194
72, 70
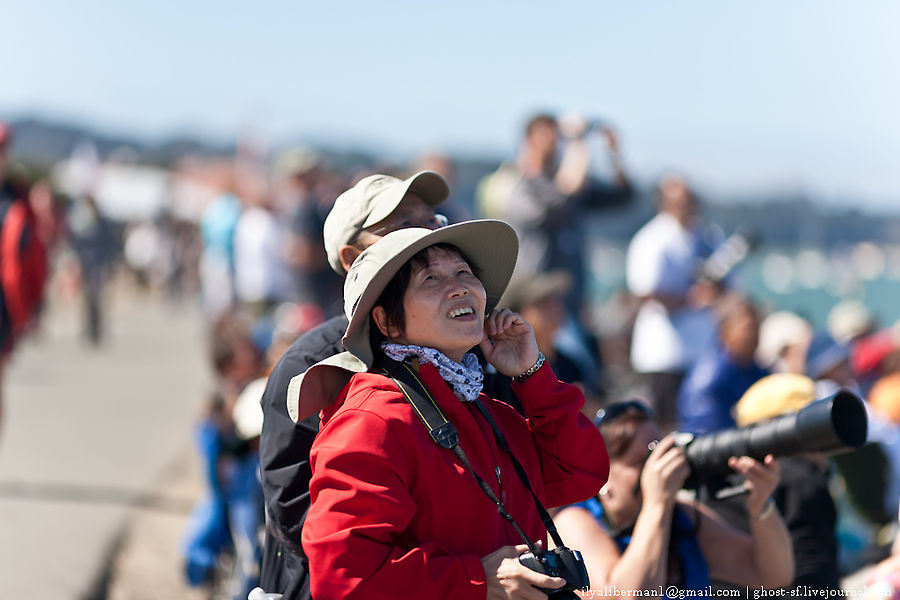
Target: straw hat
772, 396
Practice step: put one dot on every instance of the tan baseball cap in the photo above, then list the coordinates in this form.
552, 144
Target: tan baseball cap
491, 245
371, 201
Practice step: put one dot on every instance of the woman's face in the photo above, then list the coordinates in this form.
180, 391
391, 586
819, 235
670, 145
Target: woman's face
444, 305
623, 498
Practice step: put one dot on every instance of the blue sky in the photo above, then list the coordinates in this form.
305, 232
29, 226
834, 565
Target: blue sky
787, 95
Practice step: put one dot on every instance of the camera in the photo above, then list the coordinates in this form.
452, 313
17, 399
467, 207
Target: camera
832, 424
559, 562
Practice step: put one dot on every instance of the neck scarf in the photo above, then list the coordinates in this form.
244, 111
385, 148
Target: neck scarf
464, 379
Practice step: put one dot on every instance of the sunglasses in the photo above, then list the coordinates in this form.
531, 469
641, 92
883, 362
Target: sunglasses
617, 409
435, 222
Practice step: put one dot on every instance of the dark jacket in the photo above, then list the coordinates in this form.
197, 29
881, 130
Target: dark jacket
284, 462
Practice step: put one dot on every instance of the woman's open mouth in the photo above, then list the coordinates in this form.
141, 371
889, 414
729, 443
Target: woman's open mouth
465, 313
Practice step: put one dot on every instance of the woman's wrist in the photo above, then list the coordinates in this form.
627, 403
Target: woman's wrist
522, 376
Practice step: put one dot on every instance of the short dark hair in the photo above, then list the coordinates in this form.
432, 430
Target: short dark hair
732, 305
619, 432
227, 332
538, 120
391, 298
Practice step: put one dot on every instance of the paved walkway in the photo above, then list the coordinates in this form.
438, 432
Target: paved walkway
89, 436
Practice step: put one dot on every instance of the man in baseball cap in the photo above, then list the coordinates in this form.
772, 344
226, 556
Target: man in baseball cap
374, 207
377, 205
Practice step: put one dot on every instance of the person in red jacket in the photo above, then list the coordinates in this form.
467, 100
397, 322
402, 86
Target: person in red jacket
23, 259
394, 515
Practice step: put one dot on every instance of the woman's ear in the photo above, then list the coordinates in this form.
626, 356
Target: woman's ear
379, 316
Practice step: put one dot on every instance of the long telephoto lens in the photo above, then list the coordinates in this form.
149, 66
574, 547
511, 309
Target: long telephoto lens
831, 424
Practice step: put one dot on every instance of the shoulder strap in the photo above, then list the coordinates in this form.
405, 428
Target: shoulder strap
445, 435
501, 439
442, 431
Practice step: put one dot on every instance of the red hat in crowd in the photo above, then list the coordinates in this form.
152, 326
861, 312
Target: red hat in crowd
871, 351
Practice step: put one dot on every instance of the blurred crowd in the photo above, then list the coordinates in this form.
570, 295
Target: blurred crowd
683, 336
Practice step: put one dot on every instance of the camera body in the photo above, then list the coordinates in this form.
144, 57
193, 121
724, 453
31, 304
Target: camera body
559, 562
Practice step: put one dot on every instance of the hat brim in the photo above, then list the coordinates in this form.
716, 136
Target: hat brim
491, 245
427, 185
318, 387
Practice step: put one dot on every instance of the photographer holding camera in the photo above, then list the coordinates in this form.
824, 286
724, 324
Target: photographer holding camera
637, 533
395, 513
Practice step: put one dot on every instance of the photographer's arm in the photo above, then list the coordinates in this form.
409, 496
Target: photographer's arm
643, 564
769, 544
572, 173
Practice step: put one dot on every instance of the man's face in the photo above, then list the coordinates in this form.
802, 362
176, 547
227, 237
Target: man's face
411, 212
740, 334
678, 200
542, 139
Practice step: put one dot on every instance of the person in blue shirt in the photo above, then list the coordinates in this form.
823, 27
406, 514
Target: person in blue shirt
719, 379
639, 534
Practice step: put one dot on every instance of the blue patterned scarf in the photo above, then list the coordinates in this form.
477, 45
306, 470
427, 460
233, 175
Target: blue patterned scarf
464, 379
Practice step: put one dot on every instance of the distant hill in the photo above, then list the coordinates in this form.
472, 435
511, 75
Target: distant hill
42, 143
785, 220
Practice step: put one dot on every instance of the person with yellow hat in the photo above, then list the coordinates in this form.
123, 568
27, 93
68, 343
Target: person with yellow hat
802, 495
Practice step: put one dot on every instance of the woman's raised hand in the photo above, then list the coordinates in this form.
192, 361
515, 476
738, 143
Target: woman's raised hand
509, 343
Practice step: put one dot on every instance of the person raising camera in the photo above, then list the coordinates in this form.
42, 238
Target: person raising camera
638, 534
395, 515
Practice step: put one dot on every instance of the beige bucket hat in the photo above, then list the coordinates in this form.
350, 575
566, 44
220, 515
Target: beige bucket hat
491, 245
370, 202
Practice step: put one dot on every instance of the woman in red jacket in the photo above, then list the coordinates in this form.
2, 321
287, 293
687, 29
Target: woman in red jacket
393, 514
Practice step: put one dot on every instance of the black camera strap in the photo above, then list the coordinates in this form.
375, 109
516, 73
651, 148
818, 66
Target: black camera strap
545, 516
445, 435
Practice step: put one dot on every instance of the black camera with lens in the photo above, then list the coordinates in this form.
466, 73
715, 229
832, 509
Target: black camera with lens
833, 424
559, 562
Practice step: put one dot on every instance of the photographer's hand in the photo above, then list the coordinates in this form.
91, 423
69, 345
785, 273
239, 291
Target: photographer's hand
762, 478
508, 579
769, 543
664, 472
509, 343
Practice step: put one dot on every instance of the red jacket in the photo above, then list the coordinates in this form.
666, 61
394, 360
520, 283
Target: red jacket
23, 266
395, 516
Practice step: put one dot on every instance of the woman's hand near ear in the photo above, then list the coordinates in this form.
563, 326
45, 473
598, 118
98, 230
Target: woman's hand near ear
509, 343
